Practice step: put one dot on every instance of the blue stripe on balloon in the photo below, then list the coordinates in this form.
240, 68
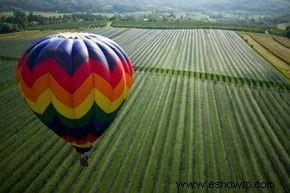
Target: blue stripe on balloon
34, 52
110, 55
36, 56
34, 43
94, 127
79, 55
95, 52
114, 45
63, 55
118, 52
71, 53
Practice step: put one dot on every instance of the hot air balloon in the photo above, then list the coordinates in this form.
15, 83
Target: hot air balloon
75, 83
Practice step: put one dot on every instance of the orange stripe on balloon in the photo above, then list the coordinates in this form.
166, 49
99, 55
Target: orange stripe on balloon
60, 93
129, 80
75, 99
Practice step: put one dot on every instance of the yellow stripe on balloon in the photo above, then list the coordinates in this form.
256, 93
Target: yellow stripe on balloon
126, 92
96, 96
78, 96
31, 104
87, 145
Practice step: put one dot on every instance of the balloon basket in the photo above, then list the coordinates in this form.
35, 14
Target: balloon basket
84, 160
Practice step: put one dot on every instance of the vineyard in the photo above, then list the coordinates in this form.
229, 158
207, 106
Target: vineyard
204, 107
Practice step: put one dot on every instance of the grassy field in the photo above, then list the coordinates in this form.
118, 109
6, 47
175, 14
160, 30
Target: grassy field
208, 51
283, 26
44, 14
13, 44
53, 14
282, 40
70, 26
204, 107
268, 54
198, 25
274, 47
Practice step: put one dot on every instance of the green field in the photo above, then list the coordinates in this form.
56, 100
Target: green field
70, 25
268, 53
276, 48
198, 25
44, 14
204, 107
283, 26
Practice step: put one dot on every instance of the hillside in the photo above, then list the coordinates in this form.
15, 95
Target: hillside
134, 5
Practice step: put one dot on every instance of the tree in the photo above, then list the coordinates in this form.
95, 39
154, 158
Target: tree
287, 32
8, 28
20, 18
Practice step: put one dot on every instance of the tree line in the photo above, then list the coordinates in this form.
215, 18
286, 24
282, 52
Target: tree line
20, 20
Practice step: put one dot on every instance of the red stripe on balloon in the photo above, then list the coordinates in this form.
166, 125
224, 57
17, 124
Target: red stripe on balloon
130, 72
71, 84
89, 139
22, 60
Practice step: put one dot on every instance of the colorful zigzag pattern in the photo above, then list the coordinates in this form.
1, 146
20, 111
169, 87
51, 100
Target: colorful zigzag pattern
75, 83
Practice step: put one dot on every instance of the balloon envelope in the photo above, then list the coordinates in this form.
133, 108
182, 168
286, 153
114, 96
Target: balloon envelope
75, 83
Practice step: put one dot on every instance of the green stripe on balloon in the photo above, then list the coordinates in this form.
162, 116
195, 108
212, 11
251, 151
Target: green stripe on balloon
95, 112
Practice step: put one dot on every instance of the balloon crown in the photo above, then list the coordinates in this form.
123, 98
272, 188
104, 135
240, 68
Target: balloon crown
72, 35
